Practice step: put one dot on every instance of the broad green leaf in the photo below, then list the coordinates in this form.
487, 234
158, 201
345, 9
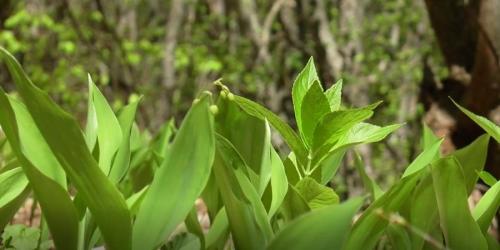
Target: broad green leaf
487, 178
12, 184
428, 138
21, 237
334, 94
109, 132
91, 123
121, 162
294, 204
424, 158
314, 106
219, 231
13, 190
103, 199
367, 133
424, 212
293, 172
34, 146
246, 214
330, 165
10, 209
360, 134
184, 173
334, 125
487, 208
211, 197
57, 207
252, 139
183, 241
162, 140
315, 194
279, 182
290, 137
488, 126
472, 159
369, 184
370, 226
459, 228
135, 200
300, 87
324, 228
398, 237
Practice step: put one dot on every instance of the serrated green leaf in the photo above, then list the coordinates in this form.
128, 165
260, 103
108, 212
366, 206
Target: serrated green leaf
334, 95
103, 199
184, 173
488, 126
300, 87
324, 228
315, 194
337, 124
459, 228
314, 107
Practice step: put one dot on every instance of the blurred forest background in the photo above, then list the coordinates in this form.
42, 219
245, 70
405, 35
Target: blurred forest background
411, 54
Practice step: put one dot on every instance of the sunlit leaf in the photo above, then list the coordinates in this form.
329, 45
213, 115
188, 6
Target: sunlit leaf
324, 228
179, 180
333, 94
315, 194
487, 207
103, 199
314, 107
300, 87
488, 126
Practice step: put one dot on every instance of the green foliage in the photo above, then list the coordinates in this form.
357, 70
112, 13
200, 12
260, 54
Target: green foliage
115, 186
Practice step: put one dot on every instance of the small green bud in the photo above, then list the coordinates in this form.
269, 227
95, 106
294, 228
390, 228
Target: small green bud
230, 96
196, 101
214, 109
207, 93
223, 94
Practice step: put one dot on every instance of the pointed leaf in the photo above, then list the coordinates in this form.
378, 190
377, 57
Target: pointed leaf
488, 126
300, 87
333, 94
314, 107
459, 228
103, 199
487, 208
184, 173
324, 228
290, 137
109, 133
315, 194
246, 214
